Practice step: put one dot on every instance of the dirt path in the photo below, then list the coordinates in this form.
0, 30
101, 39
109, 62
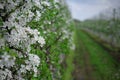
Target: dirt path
83, 68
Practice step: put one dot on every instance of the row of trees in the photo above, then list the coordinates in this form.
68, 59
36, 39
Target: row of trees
106, 26
34, 36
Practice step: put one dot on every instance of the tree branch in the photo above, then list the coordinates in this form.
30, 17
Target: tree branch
49, 46
11, 47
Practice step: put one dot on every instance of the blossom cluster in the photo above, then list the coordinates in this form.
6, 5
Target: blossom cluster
30, 65
6, 63
16, 33
21, 37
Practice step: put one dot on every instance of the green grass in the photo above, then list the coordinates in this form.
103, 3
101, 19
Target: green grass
104, 65
69, 64
70, 67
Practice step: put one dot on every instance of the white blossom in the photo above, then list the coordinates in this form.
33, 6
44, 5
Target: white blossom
37, 3
45, 3
7, 61
5, 74
23, 69
38, 16
31, 64
41, 40
1, 6
33, 60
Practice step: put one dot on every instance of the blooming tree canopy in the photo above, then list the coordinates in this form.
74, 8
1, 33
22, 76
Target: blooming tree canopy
33, 34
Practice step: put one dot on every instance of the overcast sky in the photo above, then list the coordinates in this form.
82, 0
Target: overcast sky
84, 9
